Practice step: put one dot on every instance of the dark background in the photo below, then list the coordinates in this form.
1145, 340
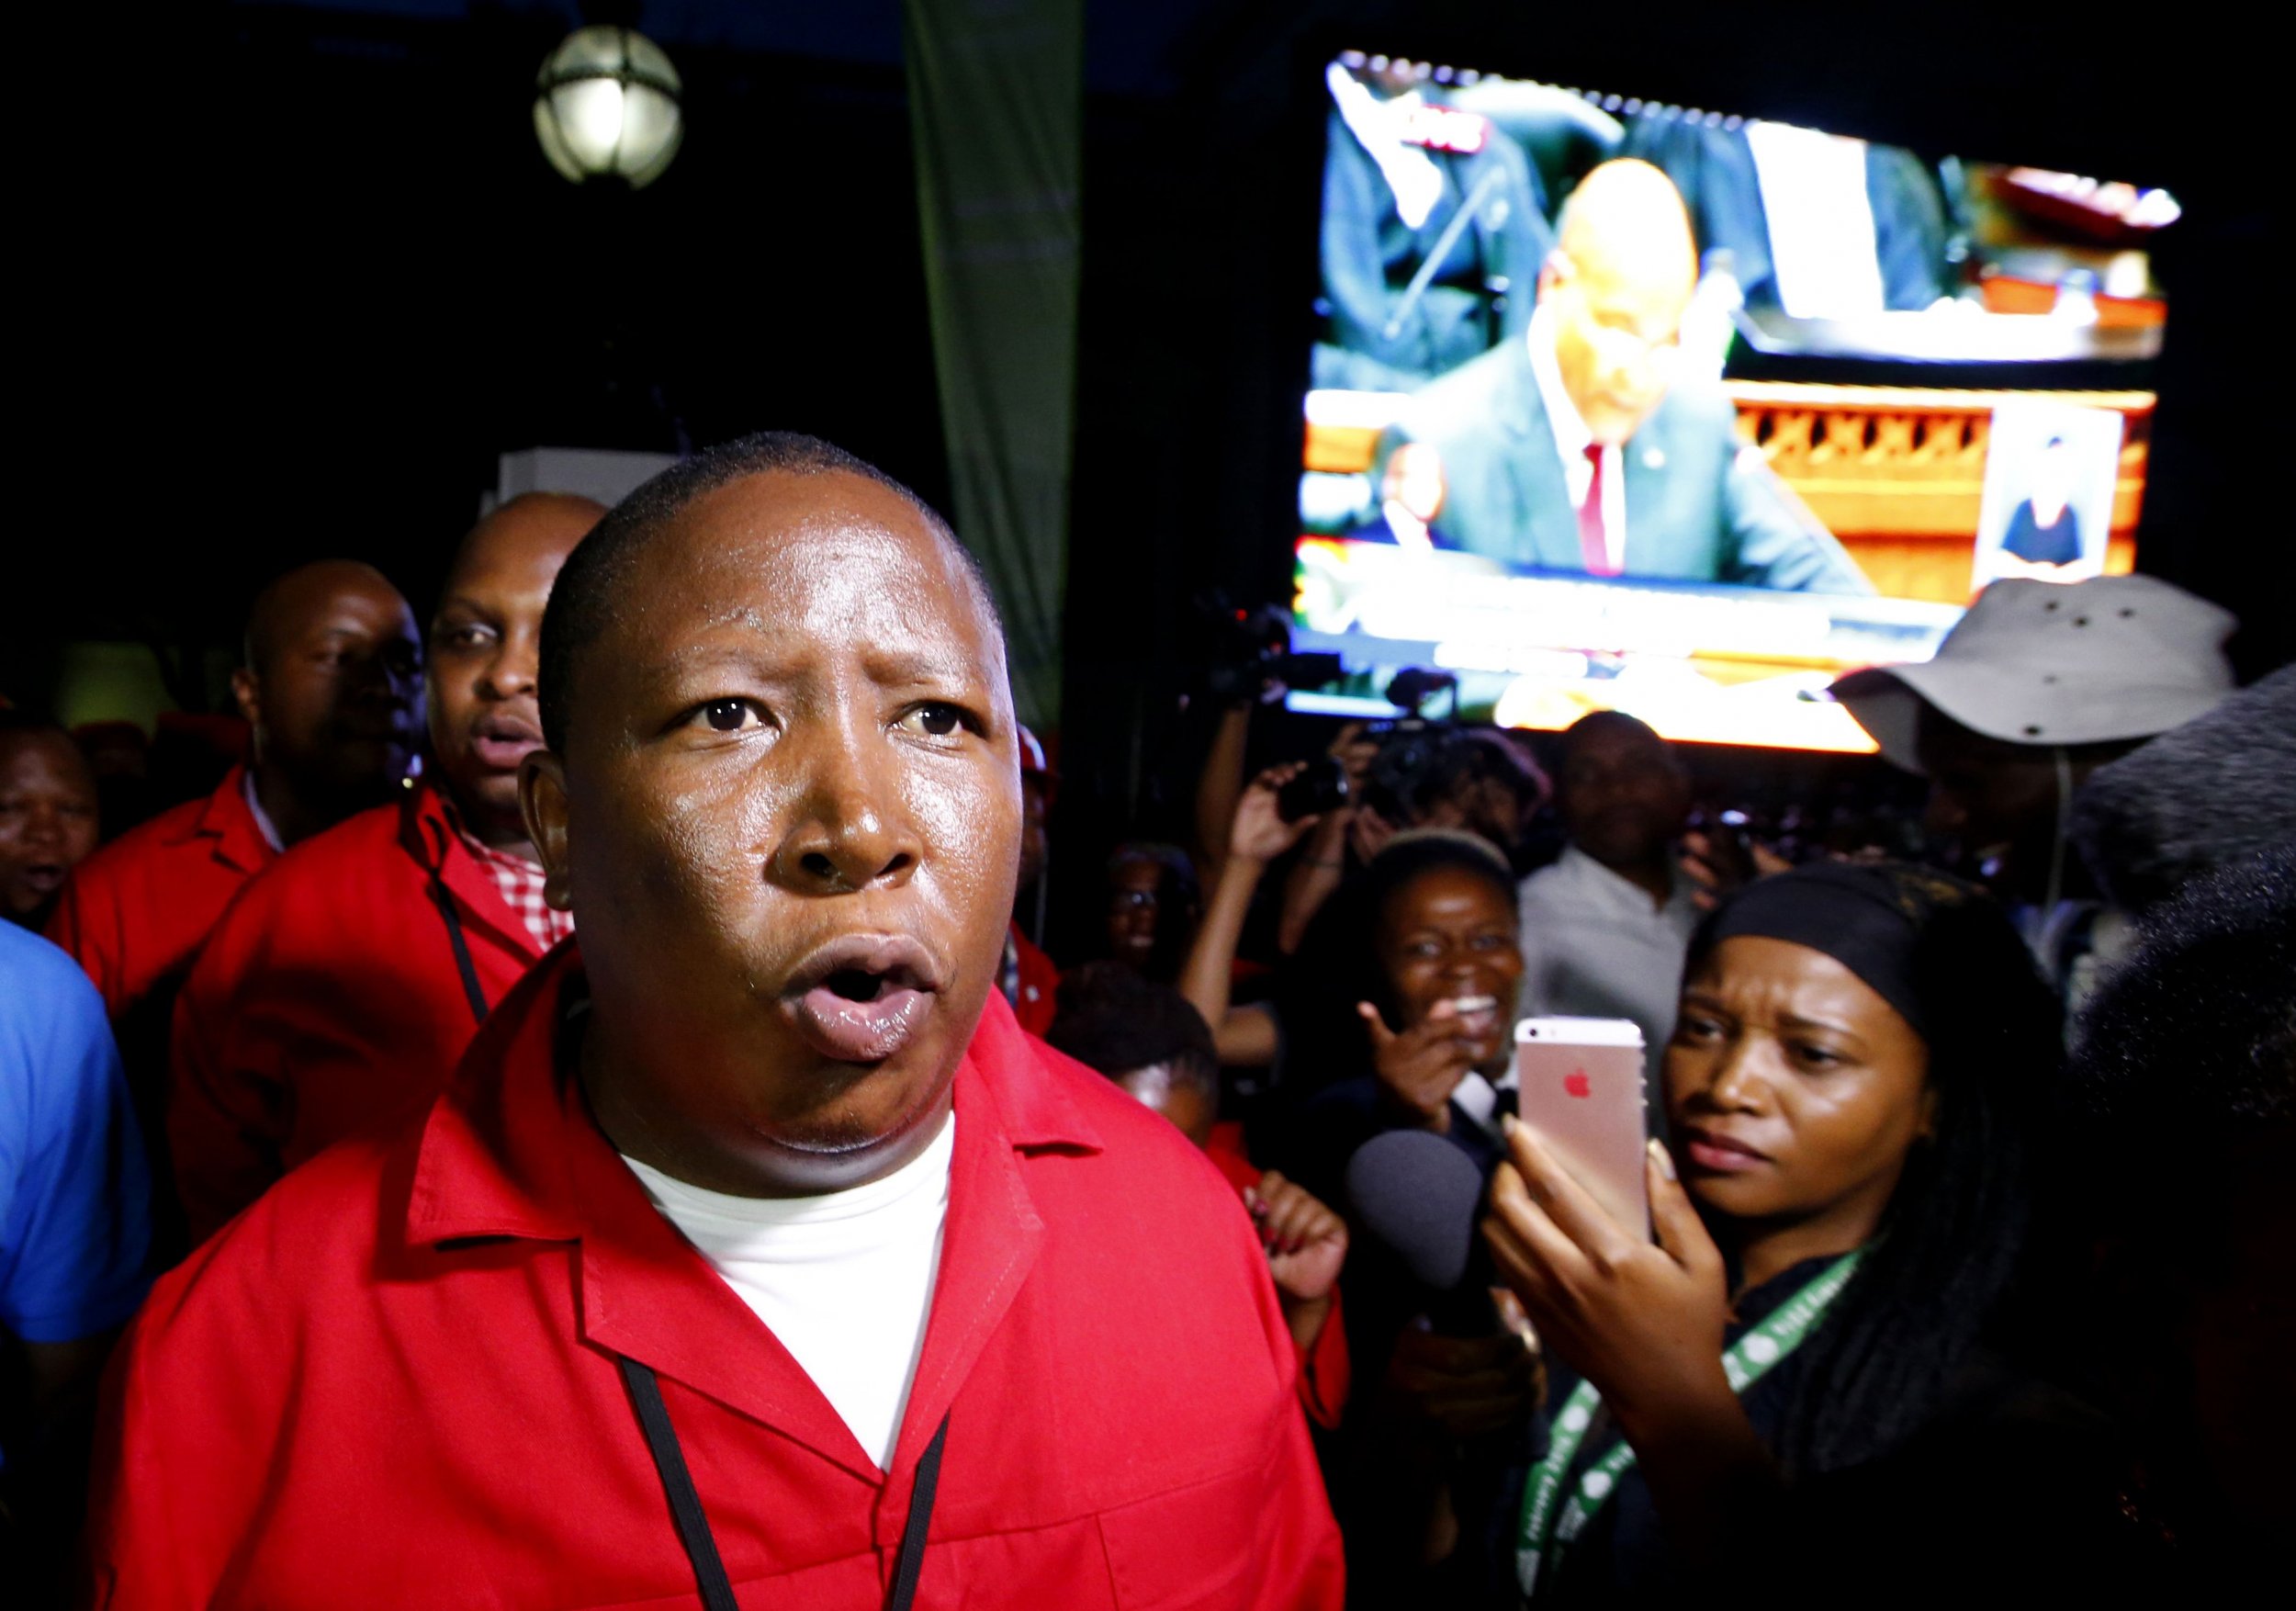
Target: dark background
298, 273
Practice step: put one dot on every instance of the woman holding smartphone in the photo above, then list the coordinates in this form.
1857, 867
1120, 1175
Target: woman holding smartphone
1797, 1371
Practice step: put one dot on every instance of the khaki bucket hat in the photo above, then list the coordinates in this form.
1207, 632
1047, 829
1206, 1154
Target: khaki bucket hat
2056, 663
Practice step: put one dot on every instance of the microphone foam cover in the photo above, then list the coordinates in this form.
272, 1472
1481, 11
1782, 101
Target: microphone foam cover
1420, 1195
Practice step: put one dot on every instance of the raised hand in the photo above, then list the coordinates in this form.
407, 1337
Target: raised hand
1306, 1241
1355, 751
1717, 864
1366, 832
1260, 833
1418, 1069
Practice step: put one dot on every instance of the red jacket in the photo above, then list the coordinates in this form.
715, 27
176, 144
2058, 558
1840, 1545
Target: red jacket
1325, 1374
328, 1001
1035, 983
133, 913
394, 1382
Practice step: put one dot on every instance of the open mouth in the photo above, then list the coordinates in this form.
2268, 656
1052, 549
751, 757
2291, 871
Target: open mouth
501, 742
863, 997
1478, 1015
44, 877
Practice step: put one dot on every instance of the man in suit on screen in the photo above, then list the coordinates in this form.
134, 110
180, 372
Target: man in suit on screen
1576, 447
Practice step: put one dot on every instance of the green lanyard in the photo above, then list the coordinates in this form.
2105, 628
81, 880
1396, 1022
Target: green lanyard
1748, 1361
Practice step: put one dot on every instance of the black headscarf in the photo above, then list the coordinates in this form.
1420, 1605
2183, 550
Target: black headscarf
1930, 945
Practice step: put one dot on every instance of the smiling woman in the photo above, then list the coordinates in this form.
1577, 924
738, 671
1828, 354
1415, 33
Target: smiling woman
1860, 1058
1444, 938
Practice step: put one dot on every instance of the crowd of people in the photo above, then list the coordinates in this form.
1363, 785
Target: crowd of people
582, 1106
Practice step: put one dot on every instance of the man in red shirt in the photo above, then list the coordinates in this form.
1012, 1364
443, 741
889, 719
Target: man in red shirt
755, 1251
340, 987
332, 690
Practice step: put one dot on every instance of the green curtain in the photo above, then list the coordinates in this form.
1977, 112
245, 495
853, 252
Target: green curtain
997, 113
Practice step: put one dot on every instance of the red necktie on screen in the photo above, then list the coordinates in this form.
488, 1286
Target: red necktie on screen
1593, 542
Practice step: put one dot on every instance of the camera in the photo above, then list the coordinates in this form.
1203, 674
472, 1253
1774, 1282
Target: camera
1244, 651
1414, 755
1319, 786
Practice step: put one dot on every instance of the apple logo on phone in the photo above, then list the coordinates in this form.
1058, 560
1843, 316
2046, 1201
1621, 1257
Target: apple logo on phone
1576, 1084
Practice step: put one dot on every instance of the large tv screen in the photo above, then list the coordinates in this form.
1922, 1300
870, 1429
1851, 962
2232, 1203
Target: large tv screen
1629, 406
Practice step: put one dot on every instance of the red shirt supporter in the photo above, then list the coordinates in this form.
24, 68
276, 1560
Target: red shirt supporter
134, 913
330, 1001
421, 1338
757, 1212
332, 700
1325, 1374
1028, 980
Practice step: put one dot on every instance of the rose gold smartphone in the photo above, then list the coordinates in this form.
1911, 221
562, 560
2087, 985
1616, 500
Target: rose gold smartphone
1579, 1087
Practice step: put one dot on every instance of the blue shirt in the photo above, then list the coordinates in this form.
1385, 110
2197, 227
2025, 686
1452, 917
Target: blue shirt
75, 1191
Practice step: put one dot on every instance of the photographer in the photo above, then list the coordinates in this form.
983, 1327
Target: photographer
1244, 1037
1411, 773
1247, 661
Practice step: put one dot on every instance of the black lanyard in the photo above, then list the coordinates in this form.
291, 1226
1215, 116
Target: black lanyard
693, 1527
462, 964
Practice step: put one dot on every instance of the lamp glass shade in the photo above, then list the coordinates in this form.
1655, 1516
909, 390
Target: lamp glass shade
606, 104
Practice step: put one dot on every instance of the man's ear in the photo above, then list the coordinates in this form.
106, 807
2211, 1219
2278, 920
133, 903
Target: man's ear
247, 693
542, 803
1553, 272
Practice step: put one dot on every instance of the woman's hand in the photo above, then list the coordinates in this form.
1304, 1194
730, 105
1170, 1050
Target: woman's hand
1306, 1241
1306, 1244
1643, 1323
1260, 834
1419, 1068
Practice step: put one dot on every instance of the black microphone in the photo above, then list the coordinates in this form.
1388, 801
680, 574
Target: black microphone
1421, 1196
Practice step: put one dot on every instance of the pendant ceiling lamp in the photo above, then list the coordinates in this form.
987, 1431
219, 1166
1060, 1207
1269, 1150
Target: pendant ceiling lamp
607, 107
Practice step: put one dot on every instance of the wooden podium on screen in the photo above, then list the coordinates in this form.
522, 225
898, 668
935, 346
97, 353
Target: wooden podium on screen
1897, 473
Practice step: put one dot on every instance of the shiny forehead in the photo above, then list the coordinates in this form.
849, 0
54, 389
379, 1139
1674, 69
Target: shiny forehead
808, 581
829, 554
763, 494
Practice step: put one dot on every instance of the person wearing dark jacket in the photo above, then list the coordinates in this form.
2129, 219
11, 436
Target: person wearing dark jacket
1719, 172
2200, 796
1401, 169
1576, 446
2185, 1081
